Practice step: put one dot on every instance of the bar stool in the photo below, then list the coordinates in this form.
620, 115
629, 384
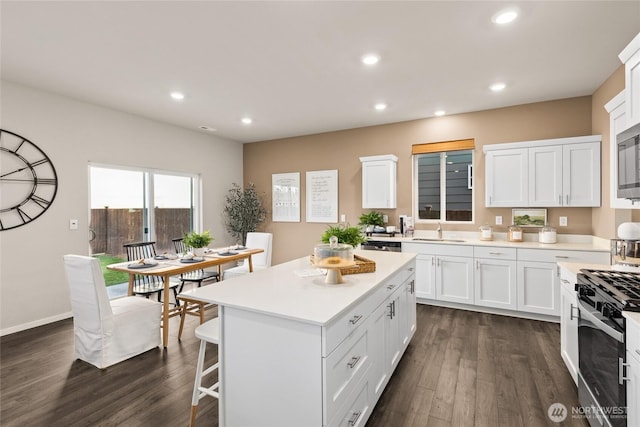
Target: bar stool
206, 332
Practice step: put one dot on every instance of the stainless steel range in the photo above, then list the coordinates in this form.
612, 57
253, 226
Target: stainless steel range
602, 296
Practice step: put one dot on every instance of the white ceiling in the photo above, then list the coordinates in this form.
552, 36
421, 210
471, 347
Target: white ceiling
295, 68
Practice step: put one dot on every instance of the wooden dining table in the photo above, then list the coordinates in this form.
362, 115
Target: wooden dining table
167, 268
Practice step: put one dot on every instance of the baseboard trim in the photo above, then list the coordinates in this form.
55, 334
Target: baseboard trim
489, 310
35, 324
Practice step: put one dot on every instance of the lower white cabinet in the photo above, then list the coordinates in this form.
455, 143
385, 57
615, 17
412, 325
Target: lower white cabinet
454, 279
569, 322
425, 276
538, 288
495, 278
633, 372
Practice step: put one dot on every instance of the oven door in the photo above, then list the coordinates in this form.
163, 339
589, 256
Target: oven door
601, 387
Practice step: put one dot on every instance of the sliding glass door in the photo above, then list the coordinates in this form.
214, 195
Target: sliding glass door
136, 205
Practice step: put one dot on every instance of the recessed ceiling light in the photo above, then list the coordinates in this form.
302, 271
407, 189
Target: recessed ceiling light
497, 87
207, 128
370, 59
380, 106
440, 113
178, 96
247, 120
505, 16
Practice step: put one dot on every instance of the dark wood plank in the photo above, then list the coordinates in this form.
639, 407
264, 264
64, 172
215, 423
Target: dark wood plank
462, 368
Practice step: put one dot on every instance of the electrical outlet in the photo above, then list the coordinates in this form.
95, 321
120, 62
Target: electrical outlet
498, 220
563, 221
73, 224
385, 218
343, 218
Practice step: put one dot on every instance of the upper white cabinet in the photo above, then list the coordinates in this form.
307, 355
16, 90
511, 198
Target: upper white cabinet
630, 57
379, 182
506, 177
552, 172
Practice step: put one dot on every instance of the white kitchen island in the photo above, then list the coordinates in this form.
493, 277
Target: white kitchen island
295, 351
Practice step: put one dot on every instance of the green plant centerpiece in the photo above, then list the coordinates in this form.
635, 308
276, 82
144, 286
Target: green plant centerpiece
197, 241
243, 211
345, 233
371, 220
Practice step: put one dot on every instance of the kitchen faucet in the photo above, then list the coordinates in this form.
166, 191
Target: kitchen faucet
439, 230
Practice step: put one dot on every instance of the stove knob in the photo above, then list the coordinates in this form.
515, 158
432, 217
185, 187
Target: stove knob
606, 311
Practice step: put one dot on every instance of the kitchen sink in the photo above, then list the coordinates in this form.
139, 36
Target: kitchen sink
426, 239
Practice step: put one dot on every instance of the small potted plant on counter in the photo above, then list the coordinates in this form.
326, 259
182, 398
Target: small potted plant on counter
197, 241
346, 234
371, 220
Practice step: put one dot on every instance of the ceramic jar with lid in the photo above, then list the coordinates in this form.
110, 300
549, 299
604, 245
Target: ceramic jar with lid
486, 232
547, 234
515, 233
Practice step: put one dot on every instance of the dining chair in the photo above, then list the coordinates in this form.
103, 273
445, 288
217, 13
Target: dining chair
208, 332
147, 285
107, 332
196, 276
255, 240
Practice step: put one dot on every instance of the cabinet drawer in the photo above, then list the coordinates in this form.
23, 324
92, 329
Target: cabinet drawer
494, 252
551, 255
357, 408
338, 330
568, 279
633, 338
344, 368
438, 249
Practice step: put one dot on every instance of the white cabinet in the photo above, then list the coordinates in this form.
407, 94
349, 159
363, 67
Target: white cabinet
617, 123
495, 277
581, 174
454, 279
538, 288
630, 57
443, 272
554, 172
425, 276
506, 177
569, 322
633, 373
379, 182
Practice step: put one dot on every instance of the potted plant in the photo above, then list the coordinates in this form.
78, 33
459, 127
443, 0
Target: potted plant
243, 211
197, 241
371, 220
346, 234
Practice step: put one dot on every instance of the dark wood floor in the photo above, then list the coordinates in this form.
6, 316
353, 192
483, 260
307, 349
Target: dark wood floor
462, 368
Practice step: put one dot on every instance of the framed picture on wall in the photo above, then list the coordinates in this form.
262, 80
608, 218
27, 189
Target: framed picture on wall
529, 217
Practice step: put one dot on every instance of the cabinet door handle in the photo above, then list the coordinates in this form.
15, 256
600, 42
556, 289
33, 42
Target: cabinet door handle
438, 262
354, 418
562, 257
390, 287
621, 369
571, 316
390, 315
355, 319
495, 253
477, 265
560, 199
433, 261
354, 361
637, 352
567, 200
410, 268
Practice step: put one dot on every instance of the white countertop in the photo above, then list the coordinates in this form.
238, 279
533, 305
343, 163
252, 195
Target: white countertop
565, 242
281, 291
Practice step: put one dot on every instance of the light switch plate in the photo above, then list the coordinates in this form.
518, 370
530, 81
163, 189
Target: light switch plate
73, 224
498, 220
343, 218
385, 218
563, 221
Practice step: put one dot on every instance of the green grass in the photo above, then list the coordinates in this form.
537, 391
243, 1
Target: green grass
112, 277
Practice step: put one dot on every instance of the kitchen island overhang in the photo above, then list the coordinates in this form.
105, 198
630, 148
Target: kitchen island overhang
296, 351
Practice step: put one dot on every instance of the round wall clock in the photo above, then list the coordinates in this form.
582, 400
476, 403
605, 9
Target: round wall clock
28, 181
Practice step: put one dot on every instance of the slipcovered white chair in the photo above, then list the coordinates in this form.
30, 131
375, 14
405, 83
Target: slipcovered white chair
259, 261
107, 332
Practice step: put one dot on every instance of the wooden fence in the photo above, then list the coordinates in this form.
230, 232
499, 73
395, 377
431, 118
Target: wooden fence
115, 227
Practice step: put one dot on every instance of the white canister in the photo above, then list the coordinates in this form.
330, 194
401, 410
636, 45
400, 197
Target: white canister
486, 232
547, 234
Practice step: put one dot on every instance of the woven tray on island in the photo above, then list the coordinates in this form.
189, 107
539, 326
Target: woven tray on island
363, 265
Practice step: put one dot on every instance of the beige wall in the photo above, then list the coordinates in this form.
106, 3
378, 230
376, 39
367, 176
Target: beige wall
341, 150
